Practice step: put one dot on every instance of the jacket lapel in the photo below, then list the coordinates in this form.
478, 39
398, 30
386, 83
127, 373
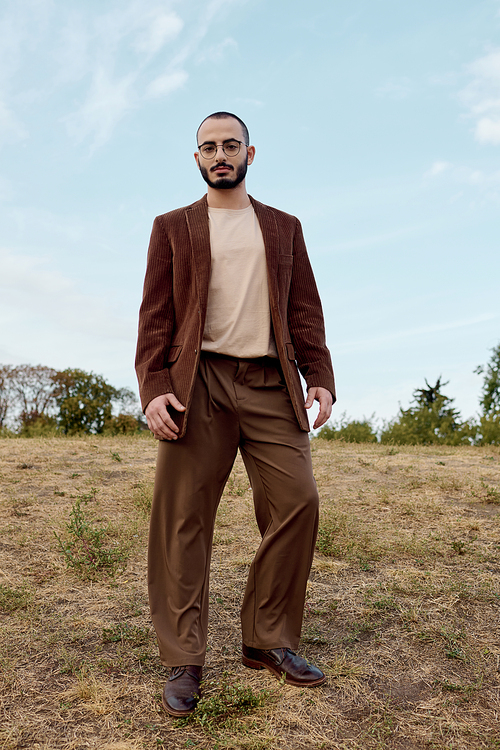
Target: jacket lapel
199, 233
269, 228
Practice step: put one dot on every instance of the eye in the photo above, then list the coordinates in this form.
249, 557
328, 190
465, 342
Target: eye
231, 148
208, 150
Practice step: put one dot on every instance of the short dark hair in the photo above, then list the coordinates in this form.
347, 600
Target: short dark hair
223, 116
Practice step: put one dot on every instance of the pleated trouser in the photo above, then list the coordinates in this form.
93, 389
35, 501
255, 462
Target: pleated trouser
236, 404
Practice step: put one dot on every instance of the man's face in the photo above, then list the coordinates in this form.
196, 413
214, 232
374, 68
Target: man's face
223, 172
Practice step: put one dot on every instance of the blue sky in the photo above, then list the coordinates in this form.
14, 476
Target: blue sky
376, 122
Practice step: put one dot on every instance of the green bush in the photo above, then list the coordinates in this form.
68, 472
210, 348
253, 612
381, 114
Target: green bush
352, 431
123, 424
430, 421
39, 426
487, 431
488, 428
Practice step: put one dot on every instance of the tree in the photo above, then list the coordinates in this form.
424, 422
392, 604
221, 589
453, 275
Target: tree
490, 398
432, 420
26, 394
488, 429
5, 393
86, 400
33, 389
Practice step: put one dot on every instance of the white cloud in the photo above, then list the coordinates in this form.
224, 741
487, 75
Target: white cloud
488, 130
438, 168
71, 52
160, 28
380, 341
106, 103
483, 179
166, 84
395, 88
46, 319
217, 53
6, 189
31, 289
105, 60
444, 79
482, 97
11, 129
250, 102
121, 51
25, 275
485, 183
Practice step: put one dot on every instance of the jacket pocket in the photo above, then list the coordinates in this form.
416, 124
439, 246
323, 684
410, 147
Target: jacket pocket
285, 260
173, 354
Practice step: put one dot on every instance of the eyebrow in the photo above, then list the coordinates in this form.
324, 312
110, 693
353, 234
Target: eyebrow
212, 143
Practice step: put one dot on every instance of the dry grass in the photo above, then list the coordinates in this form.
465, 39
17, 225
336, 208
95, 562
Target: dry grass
402, 609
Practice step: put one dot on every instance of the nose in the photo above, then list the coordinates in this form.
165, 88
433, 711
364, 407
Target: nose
222, 156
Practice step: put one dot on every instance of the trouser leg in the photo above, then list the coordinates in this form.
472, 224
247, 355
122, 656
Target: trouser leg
277, 457
190, 478
245, 404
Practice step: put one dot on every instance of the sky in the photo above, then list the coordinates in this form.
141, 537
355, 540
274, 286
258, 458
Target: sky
376, 122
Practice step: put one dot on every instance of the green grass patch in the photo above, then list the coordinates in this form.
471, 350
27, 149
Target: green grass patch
14, 598
143, 497
227, 702
124, 631
89, 548
334, 536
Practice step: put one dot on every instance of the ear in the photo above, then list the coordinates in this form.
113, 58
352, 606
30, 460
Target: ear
197, 158
250, 154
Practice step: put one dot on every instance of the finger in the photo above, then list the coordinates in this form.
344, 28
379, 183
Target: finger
174, 401
165, 434
162, 425
325, 410
166, 426
166, 421
320, 419
162, 432
311, 393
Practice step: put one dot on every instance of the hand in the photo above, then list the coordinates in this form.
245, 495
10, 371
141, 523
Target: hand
325, 404
159, 420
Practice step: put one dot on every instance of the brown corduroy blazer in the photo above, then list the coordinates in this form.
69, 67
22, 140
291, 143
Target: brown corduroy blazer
174, 305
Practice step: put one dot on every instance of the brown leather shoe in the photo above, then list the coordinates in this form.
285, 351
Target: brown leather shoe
182, 691
284, 661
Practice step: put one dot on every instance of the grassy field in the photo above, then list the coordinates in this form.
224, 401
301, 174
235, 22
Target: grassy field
402, 610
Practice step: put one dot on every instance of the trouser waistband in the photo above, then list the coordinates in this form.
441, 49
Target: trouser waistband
262, 361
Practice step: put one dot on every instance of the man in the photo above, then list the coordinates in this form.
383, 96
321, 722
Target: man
230, 310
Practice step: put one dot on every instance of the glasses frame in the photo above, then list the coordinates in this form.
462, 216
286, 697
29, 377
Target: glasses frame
221, 145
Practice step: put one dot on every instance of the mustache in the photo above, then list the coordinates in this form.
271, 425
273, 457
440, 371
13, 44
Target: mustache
221, 164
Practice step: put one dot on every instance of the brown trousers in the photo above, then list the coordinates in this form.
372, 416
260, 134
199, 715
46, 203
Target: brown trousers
236, 404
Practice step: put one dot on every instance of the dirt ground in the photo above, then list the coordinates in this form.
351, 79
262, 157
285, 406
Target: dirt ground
402, 610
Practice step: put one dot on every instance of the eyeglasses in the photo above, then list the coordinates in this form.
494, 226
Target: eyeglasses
230, 148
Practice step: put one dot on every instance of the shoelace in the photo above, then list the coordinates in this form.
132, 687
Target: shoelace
177, 671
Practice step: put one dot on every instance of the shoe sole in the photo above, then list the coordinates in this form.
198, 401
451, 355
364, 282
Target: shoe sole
173, 712
276, 672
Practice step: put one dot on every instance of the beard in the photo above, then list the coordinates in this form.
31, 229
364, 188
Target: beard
227, 182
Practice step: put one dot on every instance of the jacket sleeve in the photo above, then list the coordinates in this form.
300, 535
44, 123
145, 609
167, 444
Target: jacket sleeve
305, 321
156, 319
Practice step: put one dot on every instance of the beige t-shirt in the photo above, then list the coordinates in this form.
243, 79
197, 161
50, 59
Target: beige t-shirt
238, 319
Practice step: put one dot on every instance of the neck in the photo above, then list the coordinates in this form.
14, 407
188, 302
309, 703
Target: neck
235, 198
